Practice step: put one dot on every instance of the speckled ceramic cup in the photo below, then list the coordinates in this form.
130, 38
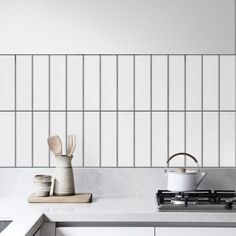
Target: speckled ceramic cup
42, 185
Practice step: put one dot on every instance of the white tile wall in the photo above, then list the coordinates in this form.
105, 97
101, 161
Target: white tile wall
211, 139
126, 83
57, 83
227, 83
40, 148
127, 110
176, 82
40, 82
159, 138
24, 83
75, 82
7, 83
91, 83
210, 82
193, 83
7, 133
142, 139
24, 139
108, 83
108, 139
159, 82
91, 139
227, 139
126, 139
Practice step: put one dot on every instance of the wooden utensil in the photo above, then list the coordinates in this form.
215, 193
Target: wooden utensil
55, 145
71, 145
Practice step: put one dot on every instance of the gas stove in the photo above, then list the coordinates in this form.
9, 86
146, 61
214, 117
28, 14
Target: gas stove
199, 200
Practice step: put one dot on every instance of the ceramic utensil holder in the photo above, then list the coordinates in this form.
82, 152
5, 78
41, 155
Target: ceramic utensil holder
63, 176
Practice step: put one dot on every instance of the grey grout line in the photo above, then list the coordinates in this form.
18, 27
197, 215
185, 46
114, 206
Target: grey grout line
100, 108
134, 111
32, 112
168, 107
49, 105
117, 108
235, 92
15, 108
137, 111
151, 111
185, 120
113, 54
202, 97
114, 167
219, 142
66, 101
83, 111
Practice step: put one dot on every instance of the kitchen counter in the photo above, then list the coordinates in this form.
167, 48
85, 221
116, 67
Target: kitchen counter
26, 217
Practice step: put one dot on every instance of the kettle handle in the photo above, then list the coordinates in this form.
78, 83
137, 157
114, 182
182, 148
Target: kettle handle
184, 154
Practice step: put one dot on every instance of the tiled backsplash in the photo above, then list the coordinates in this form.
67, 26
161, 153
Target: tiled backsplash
127, 110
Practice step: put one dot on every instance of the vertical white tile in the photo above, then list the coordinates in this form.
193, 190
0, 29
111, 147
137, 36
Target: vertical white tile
40, 144
7, 83
176, 82
125, 139
91, 139
108, 139
193, 137
210, 82
210, 139
159, 139
75, 82
41, 82
24, 139
227, 82
108, 83
58, 127
126, 83
159, 82
7, 137
24, 83
91, 82
227, 139
142, 139
142, 82
193, 82
57, 83
176, 137
75, 122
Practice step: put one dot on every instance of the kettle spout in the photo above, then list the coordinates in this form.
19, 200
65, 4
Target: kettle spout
200, 178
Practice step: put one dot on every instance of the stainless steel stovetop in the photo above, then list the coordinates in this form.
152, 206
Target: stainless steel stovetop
197, 201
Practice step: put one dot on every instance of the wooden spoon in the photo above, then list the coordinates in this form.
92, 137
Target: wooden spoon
55, 145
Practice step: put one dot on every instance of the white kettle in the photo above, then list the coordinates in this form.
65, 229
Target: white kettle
183, 180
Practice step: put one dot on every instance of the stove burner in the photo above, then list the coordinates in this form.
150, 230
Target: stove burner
199, 199
182, 199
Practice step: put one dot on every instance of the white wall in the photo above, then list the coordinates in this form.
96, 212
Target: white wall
121, 26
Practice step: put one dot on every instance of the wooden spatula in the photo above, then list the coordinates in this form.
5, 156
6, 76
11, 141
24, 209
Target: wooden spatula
55, 145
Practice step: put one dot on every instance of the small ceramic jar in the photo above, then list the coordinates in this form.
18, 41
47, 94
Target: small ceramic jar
42, 185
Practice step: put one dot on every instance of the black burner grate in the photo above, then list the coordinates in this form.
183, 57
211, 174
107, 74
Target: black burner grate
201, 196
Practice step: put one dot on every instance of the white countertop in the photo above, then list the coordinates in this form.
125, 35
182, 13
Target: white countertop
26, 216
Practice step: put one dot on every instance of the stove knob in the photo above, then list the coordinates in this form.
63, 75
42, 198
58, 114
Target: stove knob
228, 205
